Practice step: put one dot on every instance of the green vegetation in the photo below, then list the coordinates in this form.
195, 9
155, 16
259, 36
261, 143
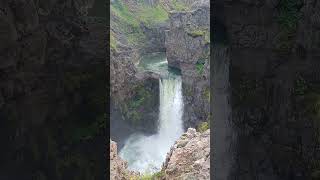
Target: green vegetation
206, 94
138, 104
113, 42
196, 33
207, 37
130, 18
121, 10
152, 15
203, 126
155, 176
179, 6
200, 66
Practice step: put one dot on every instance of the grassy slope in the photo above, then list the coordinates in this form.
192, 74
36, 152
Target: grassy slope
130, 16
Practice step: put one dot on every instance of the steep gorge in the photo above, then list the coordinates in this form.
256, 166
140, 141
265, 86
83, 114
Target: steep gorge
133, 38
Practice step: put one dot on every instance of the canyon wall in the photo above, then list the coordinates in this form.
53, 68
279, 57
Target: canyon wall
188, 49
274, 80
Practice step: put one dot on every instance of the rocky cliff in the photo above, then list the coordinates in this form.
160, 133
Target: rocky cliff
52, 71
189, 157
188, 49
274, 80
134, 95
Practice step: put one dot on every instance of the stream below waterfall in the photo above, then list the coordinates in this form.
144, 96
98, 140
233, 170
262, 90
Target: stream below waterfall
147, 153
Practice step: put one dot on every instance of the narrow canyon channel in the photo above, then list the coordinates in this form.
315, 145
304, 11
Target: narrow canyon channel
147, 153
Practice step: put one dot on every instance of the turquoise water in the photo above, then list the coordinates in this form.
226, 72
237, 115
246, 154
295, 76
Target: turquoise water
157, 62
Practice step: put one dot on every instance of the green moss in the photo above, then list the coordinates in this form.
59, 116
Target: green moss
200, 66
188, 91
196, 33
135, 107
202, 127
206, 94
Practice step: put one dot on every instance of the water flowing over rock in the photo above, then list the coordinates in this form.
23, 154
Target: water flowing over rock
189, 158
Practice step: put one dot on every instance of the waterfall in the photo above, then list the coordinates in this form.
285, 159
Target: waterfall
147, 153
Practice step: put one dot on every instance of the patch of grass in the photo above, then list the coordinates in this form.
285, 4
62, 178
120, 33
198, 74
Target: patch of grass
179, 6
207, 37
113, 42
131, 18
152, 15
196, 33
122, 11
202, 127
155, 176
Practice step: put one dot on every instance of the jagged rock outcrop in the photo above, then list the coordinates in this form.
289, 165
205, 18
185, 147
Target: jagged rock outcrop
118, 167
274, 77
189, 158
187, 48
134, 96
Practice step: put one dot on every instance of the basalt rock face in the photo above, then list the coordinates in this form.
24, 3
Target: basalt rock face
187, 48
155, 38
52, 90
134, 95
274, 77
189, 157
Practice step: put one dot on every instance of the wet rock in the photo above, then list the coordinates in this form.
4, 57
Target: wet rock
189, 158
